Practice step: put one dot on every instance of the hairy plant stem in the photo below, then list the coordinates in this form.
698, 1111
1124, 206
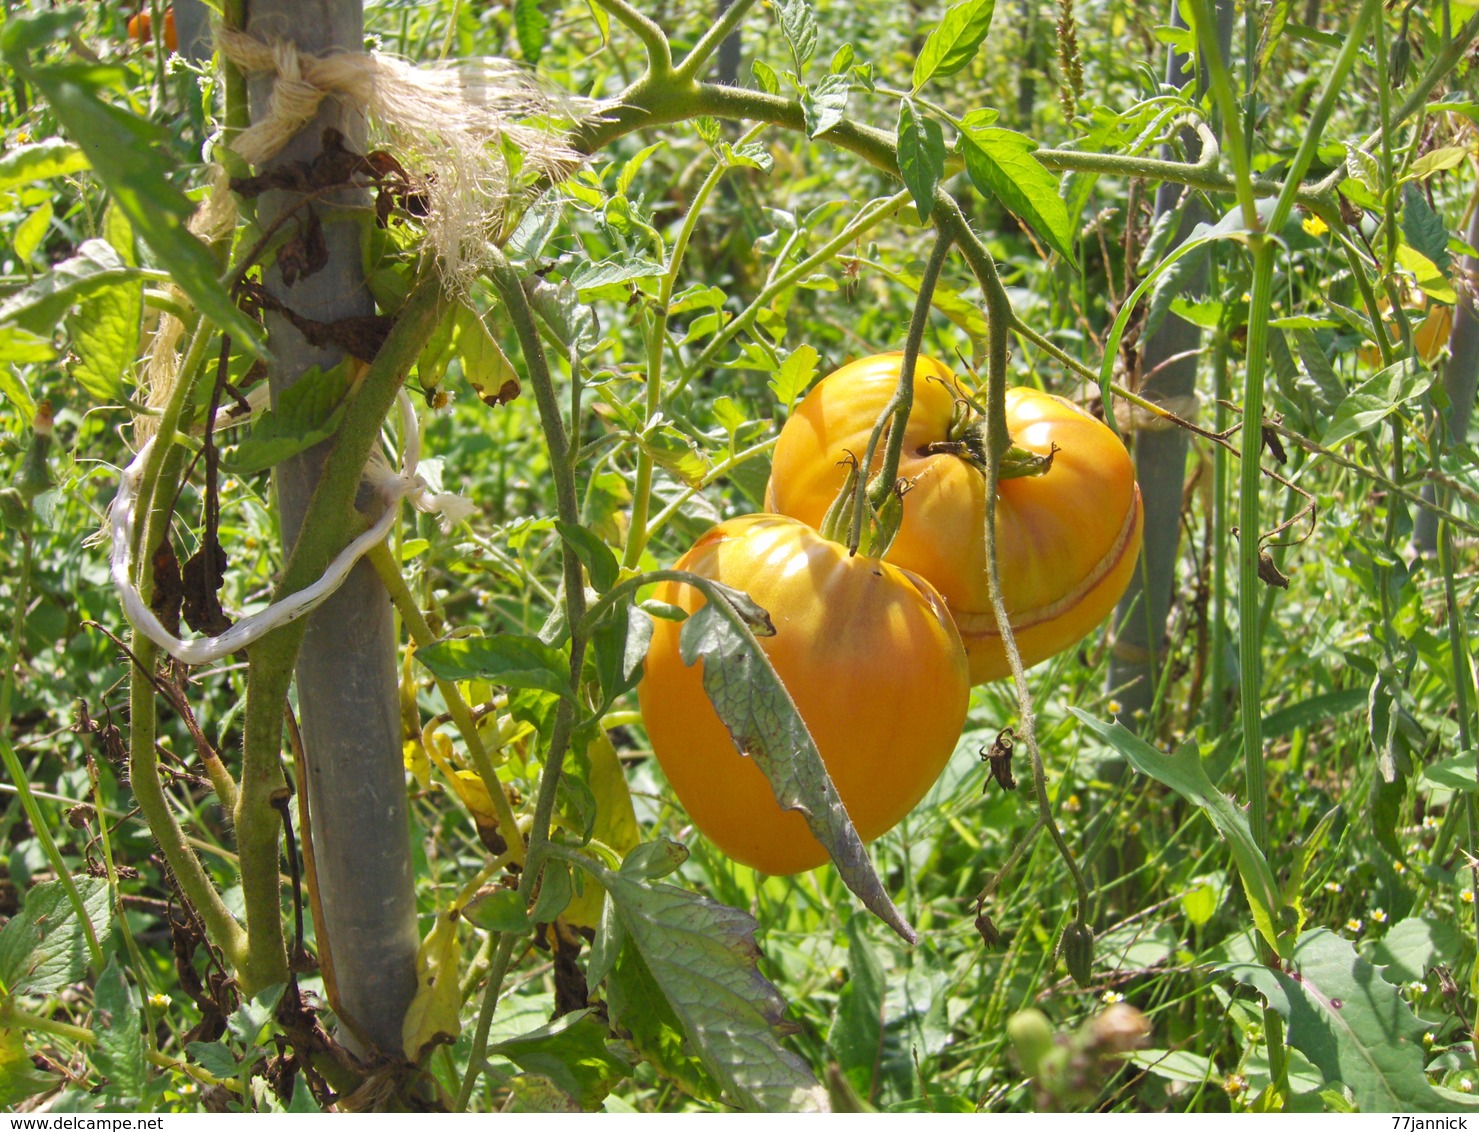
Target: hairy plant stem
21, 597
895, 414
457, 708
654, 40
637, 533
701, 51
330, 522
510, 289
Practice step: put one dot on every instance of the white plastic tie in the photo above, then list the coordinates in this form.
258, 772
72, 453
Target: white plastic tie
391, 486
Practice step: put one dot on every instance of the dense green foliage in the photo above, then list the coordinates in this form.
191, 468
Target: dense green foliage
690, 336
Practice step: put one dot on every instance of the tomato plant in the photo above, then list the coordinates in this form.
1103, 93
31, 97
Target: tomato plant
1068, 537
867, 651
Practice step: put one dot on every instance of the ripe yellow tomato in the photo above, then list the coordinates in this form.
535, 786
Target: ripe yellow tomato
868, 653
1067, 540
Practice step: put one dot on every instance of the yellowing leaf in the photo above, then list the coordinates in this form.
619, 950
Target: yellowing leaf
433, 1016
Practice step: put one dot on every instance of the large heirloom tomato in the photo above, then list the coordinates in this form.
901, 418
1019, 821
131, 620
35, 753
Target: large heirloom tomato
868, 653
1067, 540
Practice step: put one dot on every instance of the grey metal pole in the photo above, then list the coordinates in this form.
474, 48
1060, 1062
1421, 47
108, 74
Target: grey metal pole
346, 671
1138, 654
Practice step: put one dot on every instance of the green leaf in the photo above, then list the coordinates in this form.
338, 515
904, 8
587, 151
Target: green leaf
589, 276
1183, 772
764, 725
26, 237
555, 891
921, 156
26, 164
507, 660
1001, 164
575, 1053
1179, 1065
701, 958
501, 910
120, 1049
857, 1033
44, 947
105, 339
560, 307
530, 24
1411, 948
1349, 1022
1324, 389
955, 41
19, 1077
307, 413
39, 307
253, 1023
215, 1058
796, 373
799, 26
765, 76
1316, 709
639, 1006
600, 563
1424, 229
1456, 773
19, 348
1436, 161
1377, 397
1430, 279
825, 104
128, 157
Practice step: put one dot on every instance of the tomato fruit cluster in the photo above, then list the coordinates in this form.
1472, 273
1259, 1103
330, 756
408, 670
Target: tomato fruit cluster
1068, 539
141, 29
867, 651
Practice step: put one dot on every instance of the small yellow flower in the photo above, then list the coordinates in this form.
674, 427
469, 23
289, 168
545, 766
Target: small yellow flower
1115, 707
1110, 997
1466, 1086
1353, 925
1314, 226
1398, 867
1428, 1038
1235, 1084
1378, 916
1072, 805
1467, 896
1333, 886
159, 1001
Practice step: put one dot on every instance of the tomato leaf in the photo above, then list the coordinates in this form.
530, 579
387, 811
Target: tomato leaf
796, 373
799, 26
27, 164
39, 307
701, 959
530, 24
1001, 164
921, 156
306, 413
432, 1017
857, 1032
507, 660
954, 41
105, 337
127, 155
763, 722
574, 1053
825, 104
1183, 772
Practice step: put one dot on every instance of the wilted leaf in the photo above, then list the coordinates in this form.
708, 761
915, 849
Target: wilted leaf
701, 958
433, 1017
763, 723
572, 1052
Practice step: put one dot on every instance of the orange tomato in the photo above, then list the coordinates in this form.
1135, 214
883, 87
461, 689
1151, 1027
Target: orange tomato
1067, 540
141, 29
868, 653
